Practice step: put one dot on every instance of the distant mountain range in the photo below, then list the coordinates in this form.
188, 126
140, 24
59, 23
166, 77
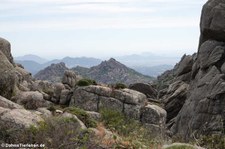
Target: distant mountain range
108, 72
112, 71
147, 63
30, 58
35, 65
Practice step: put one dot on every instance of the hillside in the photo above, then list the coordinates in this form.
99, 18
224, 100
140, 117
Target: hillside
52, 73
112, 71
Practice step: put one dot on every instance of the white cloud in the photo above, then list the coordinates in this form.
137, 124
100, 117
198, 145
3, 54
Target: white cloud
100, 23
95, 8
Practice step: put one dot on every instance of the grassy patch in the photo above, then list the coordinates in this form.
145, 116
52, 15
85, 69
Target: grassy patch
212, 141
82, 115
133, 134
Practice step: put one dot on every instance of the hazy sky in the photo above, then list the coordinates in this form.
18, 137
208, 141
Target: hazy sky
100, 28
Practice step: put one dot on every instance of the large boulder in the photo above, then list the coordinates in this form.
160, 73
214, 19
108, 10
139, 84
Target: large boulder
65, 97
212, 21
177, 95
144, 88
210, 52
70, 78
185, 65
5, 48
31, 100
153, 114
154, 119
57, 91
8, 78
18, 118
80, 125
5, 103
94, 98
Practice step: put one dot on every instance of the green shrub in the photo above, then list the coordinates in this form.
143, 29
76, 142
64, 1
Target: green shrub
112, 119
120, 86
130, 130
52, 108
83, 116
86, 82
212, 141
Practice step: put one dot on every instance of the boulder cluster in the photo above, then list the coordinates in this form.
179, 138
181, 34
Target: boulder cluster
24, 101
189, 102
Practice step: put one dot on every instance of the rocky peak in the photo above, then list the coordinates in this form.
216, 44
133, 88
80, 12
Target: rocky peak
112, 64
112, 71
52, 73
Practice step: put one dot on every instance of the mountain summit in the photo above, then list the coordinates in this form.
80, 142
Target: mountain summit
112, 71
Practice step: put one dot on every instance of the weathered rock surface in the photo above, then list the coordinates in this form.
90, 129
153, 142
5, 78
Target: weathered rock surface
152, 114
19, 118
31, 100
70, 78
80, 124
93, 98
175, 98
5, 48
7, 78
65, 97
203, 111
129, 102
184, 66
144, 88
212, 21
5, 103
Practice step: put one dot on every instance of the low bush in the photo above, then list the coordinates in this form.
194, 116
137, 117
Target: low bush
133, 133
120, 86
82, 115
86, 82
54, 133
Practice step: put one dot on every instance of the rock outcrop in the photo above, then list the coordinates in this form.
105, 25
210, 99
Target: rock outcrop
70, 79
5, 103
5, 48
93, 98
144, 88
18, 118
212, 21
53, 73
8, 78
203, 111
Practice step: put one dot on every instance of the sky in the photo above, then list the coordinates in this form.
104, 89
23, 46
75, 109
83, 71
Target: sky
100, 28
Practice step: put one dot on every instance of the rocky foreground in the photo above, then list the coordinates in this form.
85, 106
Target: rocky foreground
186, 104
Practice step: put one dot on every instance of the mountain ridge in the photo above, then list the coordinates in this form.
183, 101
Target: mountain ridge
112, 71
154, 68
